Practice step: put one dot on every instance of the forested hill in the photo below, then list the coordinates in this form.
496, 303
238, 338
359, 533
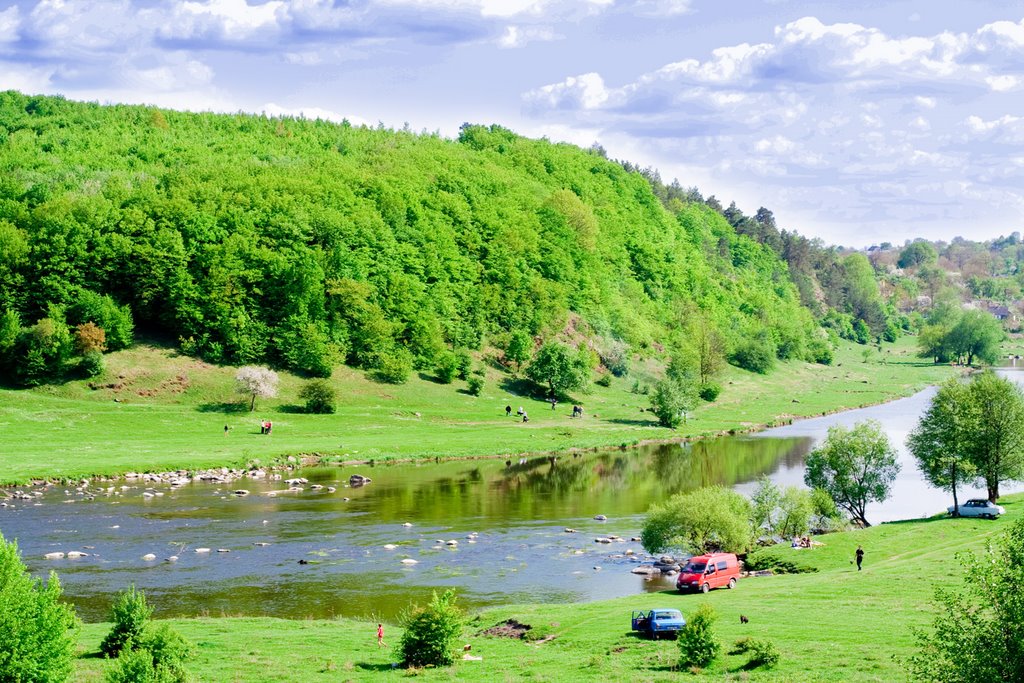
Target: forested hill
304, 243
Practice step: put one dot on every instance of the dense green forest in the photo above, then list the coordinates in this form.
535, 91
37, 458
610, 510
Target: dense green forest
303, 243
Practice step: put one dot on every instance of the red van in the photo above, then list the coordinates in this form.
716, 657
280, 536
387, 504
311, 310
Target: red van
705, 572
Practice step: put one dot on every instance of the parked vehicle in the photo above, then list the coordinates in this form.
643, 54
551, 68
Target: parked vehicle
658, 622
979, 507
705, 572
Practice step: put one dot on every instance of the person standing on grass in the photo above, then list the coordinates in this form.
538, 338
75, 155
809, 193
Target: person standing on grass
380, 635
508, 410
226, 428
860, 557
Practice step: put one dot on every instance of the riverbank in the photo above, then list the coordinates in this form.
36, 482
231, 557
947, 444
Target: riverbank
833, 624
154, 411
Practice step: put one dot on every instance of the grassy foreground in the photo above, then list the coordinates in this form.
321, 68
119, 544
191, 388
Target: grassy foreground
834, 625
157, 410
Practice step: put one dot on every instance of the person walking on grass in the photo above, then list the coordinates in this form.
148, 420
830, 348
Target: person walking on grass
860, 556
380, 635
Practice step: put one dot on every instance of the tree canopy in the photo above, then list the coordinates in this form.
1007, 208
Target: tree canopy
942, 440
856, 466
303, 243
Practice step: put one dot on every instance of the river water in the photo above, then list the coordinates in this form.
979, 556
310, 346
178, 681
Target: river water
508, 519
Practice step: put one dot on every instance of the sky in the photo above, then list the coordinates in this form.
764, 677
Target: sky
859, 121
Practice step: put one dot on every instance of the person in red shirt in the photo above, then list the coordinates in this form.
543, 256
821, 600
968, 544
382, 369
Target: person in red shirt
380, 635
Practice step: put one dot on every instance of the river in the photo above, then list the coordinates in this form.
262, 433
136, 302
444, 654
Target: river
509, 522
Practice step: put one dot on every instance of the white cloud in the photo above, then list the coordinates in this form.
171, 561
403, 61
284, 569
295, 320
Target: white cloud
663, 8
10, 21
586, 91
29, 79
516, 36
273, 109
231, 20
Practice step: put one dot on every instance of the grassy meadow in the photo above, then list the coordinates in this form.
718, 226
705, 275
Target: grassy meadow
154, 409
836, 624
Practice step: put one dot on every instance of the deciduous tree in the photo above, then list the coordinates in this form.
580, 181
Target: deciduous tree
257, 382
855, 466
978, 634
941, 442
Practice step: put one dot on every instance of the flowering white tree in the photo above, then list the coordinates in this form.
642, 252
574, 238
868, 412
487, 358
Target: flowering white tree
253, 380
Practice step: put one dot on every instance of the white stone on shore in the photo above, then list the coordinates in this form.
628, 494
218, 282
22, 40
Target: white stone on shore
390, 546
409, 561
202, 550
149, 557
75, 554
54, 556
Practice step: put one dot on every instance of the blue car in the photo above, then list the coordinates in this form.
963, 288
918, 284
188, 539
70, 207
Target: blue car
658, 622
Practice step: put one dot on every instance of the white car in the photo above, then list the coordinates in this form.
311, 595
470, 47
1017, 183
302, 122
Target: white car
979, 507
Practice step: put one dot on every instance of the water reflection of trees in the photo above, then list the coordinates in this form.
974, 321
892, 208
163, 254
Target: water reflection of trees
544, 487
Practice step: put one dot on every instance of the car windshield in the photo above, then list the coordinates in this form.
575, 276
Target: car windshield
695, 567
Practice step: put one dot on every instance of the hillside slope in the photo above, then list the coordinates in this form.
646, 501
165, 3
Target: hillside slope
304, 243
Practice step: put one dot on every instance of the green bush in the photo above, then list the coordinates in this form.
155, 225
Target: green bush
92, 363
604, 380
37, 630
697, 644
159, 658
763, 653
319, 395
432, 632
820, 351
768, 560
464, 362
756, 355
394, 368
710, 391
447, 368
475, 385
129, 614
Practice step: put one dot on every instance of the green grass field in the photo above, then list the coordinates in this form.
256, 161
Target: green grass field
837, 624
157, 410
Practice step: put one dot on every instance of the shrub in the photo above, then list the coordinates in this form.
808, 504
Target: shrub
90, 338
37, 630
92, 364
475, 385
447, 368
756, 355
319, 396
129, 614
820, 351
671, 400
116, 321
763, 653
765, 560
159, 658
431, 632
464, 362
704, 520
604, 380
615, 357
709, 392
394, 368
697, 644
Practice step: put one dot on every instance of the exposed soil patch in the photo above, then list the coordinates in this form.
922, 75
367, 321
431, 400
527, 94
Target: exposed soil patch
510, 628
